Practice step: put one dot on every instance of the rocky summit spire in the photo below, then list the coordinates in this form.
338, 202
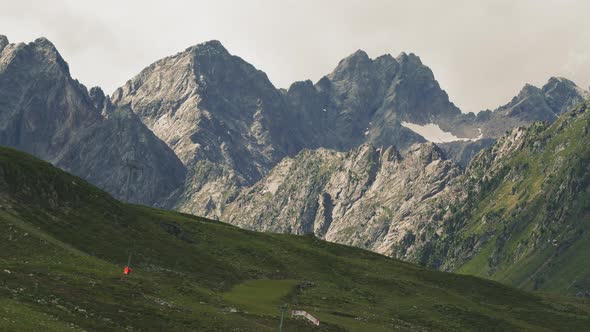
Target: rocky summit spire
212, 45
412, 58
3, 42
353, 65
562, 94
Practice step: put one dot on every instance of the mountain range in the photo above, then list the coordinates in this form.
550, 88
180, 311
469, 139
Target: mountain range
518, 213
373, 155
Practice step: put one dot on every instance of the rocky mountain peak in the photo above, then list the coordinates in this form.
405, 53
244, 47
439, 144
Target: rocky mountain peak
100, 101
360, 64
97, 95
412, 67
215, 67
299, 86
35, 81
222, 117
528, 90
426, 152
46, 49
365, 100
385, 57
47, 113
3, 42
358, 55
386, 60
532, 104
214, 43
355, 65
562, 94
44, 42
212, 48
40, 53
411, 58
553, 80
403, 56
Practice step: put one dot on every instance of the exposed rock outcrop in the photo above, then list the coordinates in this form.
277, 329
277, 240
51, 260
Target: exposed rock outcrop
365, 197
532, 104
45, 112
365, 100
221, 116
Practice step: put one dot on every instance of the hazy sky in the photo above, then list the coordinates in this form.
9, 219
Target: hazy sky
481, 52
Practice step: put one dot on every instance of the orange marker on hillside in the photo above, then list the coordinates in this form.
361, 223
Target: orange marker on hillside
127, 270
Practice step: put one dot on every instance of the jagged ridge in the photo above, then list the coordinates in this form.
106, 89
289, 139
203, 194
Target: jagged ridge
47, 113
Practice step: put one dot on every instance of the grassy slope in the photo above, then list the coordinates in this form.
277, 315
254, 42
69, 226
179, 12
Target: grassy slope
64, 243
540, 213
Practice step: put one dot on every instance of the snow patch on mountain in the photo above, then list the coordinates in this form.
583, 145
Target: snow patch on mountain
433, 133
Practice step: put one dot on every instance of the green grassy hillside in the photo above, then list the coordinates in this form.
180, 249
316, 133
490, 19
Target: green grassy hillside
64, 244
527, 221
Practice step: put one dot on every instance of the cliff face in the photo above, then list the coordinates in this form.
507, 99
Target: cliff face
45, 112
532, 104
43, 108
220, 115
366, 100
366, 197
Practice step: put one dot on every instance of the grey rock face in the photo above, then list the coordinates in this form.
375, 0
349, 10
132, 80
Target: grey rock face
366, 197
462, 152
122, 156
3, 42
563, 95
42, 108
45, 112
365, 100
220, 115
532, 104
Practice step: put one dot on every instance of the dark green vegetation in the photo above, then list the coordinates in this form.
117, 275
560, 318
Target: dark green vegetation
527, 219
64, 244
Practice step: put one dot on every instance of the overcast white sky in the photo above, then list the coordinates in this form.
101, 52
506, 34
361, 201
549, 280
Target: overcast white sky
481, 52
